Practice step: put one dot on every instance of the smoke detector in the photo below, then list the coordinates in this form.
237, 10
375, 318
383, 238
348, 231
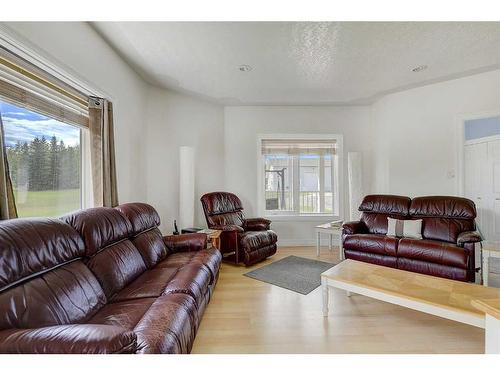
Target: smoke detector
245, 68
419, 68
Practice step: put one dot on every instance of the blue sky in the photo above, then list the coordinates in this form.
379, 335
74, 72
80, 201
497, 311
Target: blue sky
23, 125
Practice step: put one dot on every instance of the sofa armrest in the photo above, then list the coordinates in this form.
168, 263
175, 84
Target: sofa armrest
353, 227
469, 237
256, 224
228, 228
69, 339
186, 242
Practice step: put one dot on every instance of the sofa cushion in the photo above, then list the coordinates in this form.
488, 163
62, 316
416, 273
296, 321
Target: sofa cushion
99, 227
442, 206
33, 246
386, 204
169, 326
433, 251
382, 260
142, 216
445, 229
372, 243
146, 236
151, 246
66, 295
117, 266
255, 240
151, 283
209, 258
124, 314
191, 279
43, 280
69, 339
113, 258
163, 325
433, 269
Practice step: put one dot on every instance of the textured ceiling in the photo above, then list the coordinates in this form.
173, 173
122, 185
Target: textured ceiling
302, 62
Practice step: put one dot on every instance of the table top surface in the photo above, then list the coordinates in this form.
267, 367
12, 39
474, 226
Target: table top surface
328, 226
431, 290
488, 306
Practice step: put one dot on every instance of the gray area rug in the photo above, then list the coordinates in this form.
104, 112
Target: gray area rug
301, 275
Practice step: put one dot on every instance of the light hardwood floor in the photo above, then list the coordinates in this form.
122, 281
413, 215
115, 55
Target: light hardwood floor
250, 316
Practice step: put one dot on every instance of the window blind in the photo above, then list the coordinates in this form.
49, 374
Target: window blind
25, 85
299, 146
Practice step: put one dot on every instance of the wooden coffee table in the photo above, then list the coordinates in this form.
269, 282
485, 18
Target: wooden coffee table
433, 295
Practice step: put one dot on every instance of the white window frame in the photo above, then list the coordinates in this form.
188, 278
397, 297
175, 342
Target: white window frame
19, 45
294, 215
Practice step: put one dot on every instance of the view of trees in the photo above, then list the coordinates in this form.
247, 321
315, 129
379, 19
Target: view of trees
44, 165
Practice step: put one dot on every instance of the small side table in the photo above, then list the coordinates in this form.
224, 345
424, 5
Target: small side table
213, 237
331, 231
488, 252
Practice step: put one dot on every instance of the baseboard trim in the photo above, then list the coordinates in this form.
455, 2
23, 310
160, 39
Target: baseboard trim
296, 242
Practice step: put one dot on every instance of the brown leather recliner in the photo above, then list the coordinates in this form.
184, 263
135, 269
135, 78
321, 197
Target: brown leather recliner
448, 231
102, 280
250, 240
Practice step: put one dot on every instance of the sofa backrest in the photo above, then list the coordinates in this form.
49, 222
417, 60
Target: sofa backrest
145, 234
113, 259
222, 208
443, 217
377, 208
43, 280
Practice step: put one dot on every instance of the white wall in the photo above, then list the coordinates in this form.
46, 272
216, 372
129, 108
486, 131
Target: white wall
243, 124
408, 139
78, 47
176, 120
416, 133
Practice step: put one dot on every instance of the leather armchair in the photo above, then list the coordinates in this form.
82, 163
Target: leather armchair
251, 240
469, 237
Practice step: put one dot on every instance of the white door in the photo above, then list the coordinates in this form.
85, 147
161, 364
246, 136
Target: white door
478, 181
494, 188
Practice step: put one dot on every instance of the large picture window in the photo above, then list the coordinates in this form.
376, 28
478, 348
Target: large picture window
45, 158
300, 175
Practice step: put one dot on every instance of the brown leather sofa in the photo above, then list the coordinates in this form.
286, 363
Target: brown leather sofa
102, 280
251, 240
448, 231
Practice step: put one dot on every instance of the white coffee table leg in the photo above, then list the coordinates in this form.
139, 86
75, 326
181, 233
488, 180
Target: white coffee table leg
318, 243
486, 267
324, 288
492, 335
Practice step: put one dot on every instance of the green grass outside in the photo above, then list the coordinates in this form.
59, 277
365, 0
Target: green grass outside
50, 203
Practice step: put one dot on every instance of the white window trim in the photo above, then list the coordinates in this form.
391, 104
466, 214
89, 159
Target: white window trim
294, 216
21, 46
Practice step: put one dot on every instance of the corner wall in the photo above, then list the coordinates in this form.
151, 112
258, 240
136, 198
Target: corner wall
175, 120
241, 128
416, 134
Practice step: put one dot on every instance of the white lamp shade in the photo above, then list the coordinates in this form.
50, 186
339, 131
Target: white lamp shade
355, 176
186, 187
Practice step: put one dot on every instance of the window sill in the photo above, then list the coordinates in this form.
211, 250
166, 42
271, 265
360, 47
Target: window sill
302, 218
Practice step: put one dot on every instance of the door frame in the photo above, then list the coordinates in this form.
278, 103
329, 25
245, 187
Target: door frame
461, 142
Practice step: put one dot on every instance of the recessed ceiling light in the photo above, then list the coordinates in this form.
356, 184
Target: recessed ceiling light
419, 68
245, 68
